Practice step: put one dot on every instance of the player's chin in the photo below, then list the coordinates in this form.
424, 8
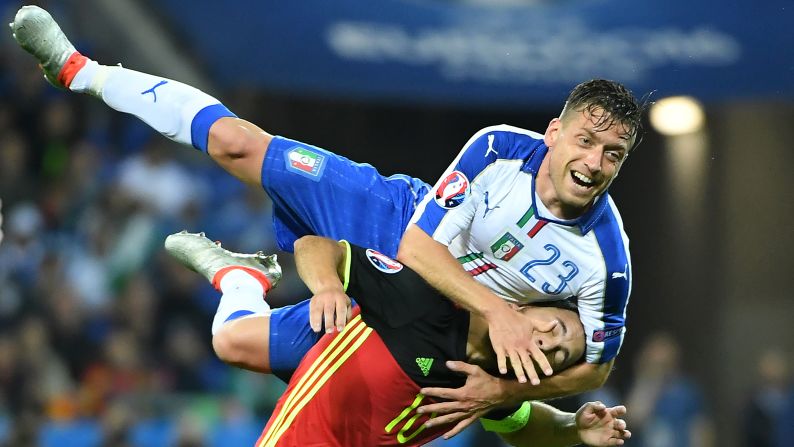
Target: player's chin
584, 194
580, 194
580, 197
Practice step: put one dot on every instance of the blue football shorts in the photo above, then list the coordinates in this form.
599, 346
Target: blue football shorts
316, 192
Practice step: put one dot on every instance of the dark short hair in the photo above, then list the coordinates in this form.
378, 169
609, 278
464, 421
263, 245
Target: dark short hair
618, 104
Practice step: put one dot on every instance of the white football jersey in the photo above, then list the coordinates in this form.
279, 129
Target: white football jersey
486, 210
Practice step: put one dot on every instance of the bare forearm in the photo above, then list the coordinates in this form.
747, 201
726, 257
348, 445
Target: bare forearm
574, 380
433, 262
548, 427
320, 263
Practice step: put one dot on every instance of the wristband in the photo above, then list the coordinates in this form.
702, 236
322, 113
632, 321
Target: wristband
514, 422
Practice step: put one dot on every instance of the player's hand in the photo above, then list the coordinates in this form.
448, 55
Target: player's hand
511, 337
480, 394
599, 426
331, 307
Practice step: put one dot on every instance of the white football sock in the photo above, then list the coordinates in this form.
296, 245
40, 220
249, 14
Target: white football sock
243, 297
166, 105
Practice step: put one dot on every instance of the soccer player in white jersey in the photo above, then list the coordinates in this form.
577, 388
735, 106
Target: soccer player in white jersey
528, 215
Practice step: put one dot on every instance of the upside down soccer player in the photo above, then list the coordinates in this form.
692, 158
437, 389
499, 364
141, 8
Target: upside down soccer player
360, 386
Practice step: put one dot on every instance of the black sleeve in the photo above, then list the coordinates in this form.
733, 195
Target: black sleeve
387, 289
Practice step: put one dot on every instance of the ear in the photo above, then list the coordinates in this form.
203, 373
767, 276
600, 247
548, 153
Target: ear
552, 132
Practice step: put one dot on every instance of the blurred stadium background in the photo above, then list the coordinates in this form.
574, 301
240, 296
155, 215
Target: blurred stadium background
104, 342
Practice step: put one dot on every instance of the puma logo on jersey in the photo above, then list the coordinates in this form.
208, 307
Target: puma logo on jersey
487, 208
623, 274
490, 146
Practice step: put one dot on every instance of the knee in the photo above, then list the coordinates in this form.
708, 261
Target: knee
229, 345
229, 140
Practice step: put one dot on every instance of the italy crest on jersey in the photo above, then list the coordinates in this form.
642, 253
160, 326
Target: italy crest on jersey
506, 247
382, 262
453, 190
305, 162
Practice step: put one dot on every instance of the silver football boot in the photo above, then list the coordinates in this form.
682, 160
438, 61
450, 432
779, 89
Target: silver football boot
37, 33
206, 257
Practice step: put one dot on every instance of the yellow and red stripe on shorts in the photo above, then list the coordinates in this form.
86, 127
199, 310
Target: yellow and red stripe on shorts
318, 373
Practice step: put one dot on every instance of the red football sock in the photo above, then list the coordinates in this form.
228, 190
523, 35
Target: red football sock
259, 276
75, 62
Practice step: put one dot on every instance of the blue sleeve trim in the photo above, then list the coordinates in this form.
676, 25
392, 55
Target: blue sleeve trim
618, 281
200, 127
499, 145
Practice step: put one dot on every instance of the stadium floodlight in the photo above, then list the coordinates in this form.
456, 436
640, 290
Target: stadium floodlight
677, 115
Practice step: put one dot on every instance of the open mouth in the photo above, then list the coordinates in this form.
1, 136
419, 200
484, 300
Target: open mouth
582, 180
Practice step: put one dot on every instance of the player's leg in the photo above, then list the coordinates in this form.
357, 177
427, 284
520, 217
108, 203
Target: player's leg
244, 343
239, 147
243, 281
314, 191
246, 332
178, 111
273, 343
317, 192
289, 171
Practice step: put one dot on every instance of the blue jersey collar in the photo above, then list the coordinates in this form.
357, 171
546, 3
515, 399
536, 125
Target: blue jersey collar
587, 221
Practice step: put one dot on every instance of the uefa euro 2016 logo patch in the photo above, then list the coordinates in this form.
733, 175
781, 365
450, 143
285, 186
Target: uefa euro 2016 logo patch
382, 262
453, 190
305, 162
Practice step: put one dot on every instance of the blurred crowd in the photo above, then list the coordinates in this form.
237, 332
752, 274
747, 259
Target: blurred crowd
103, 340
106, 342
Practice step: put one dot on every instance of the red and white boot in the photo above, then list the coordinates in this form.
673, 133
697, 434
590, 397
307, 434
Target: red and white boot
212, 261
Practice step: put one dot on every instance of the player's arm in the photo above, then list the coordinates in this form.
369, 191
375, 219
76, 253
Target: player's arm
433, 261
603, 318
509, 333
323, 265
483, 392
574, 380
436, 265
543, 425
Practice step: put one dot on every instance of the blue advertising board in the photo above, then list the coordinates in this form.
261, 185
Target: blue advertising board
497, 52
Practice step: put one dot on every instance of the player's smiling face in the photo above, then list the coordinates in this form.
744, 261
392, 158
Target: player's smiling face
582, 162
